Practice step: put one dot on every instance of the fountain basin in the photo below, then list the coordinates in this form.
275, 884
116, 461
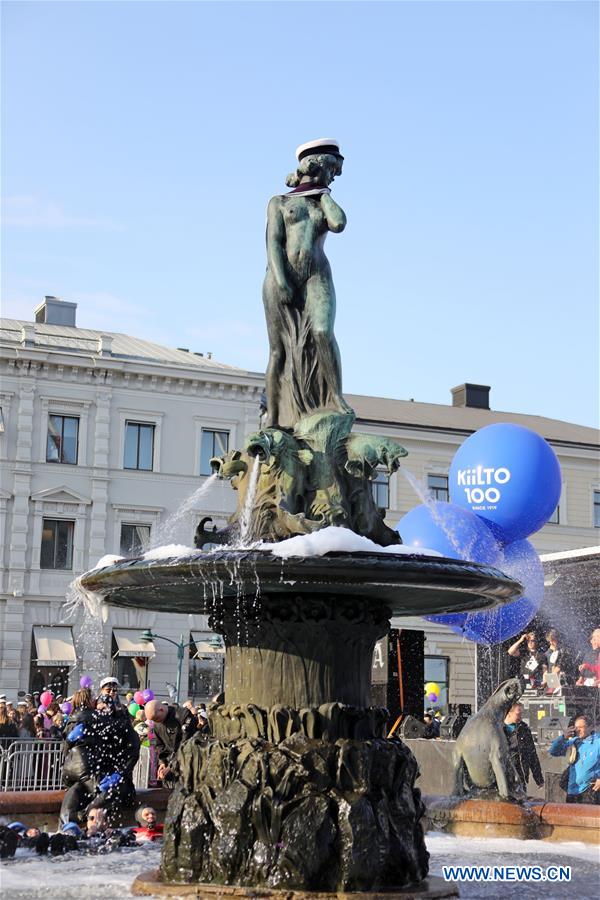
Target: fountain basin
407, 584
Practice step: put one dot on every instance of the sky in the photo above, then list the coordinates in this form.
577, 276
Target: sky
141, 142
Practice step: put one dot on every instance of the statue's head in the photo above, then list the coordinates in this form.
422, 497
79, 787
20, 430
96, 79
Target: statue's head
319, 160
507, 693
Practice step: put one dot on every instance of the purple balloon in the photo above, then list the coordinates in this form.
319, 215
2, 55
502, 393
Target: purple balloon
432, 697
42, 710
66, 708
85, 681
148, 695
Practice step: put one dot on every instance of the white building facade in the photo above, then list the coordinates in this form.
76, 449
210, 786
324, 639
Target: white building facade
103, 437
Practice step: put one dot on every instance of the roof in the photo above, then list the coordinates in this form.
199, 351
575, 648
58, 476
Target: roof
372, 410
71, 339
582, 553
461, 419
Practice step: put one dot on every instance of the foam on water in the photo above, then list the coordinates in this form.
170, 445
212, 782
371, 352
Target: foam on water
170, 551
337, 540
109, 560
89, 877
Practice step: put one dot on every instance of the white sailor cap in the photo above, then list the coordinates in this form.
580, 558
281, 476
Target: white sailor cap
110, 679
321, 145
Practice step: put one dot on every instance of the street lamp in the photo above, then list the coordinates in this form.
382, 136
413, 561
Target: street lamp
148, 636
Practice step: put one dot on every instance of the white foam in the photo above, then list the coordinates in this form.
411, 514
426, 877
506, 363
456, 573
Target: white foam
337, 540
108, 560
171, 550
466, 851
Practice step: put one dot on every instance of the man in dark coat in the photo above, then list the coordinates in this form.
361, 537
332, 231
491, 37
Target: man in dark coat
99, 765
521, 747
172, 726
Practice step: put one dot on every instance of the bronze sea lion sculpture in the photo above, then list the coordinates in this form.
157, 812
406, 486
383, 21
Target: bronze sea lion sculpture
481, 756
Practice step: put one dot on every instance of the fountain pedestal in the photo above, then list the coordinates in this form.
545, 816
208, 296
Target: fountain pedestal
297, 788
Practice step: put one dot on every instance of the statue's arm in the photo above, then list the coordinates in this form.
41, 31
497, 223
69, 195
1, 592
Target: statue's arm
334, 214
276, 243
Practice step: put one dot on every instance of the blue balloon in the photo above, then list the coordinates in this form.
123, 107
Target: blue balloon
509, 476
456, 533
522, 563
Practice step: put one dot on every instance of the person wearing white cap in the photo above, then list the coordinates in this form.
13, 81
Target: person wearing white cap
304, 371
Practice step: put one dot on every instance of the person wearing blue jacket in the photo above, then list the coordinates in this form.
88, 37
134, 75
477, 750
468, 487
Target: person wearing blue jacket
581, 745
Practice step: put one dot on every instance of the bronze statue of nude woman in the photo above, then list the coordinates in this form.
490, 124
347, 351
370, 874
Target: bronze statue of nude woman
304, 371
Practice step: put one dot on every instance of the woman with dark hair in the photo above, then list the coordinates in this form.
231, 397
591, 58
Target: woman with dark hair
8, 729
27, 727
304, 371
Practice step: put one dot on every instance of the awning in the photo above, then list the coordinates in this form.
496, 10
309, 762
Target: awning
54, 646
204, 647
129, 643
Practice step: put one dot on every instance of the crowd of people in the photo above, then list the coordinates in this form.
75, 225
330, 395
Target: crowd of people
95, 835
543, 672
556, 666
102, 736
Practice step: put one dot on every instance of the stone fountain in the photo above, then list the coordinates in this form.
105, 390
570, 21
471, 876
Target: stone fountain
298, 787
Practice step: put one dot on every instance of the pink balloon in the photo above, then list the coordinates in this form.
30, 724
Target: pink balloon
139, 698
46, 698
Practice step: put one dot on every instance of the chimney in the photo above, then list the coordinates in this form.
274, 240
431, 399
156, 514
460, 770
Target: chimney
54, 311
475, 396
104, 345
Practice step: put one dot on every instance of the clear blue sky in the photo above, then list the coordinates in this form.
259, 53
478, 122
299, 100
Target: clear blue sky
142, 141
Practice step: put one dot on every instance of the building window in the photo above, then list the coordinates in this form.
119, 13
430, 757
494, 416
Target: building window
381, 490
214, 443
57, 544
134, 539
436, 671
139, 446
596, 509
63, 436
555, 517
438, 487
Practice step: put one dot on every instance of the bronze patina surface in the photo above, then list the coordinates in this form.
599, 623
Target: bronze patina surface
297, 789
408, 585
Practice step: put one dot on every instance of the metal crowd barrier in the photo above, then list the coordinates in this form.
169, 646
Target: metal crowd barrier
31, 765
36, 765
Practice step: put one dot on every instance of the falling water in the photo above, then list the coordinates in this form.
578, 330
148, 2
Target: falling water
428, 500
462, 550
176, 527
90, 644
246, 516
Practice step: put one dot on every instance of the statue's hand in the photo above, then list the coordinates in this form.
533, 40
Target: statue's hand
286, 292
